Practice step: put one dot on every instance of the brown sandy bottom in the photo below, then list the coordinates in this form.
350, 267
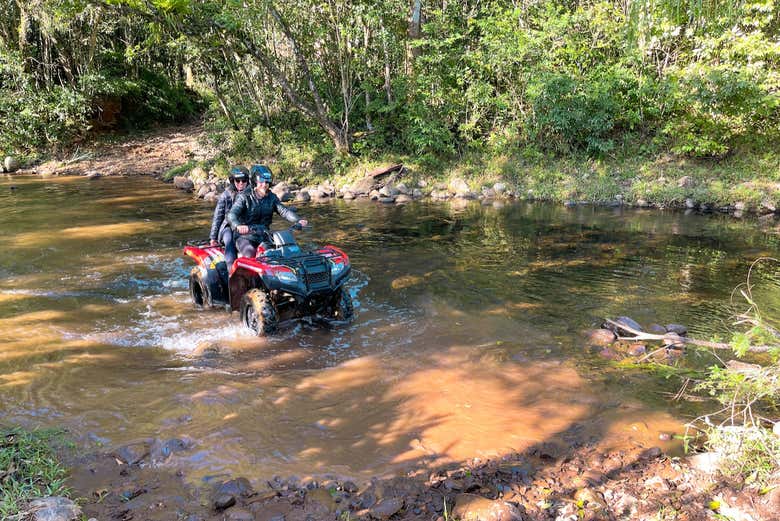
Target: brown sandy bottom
546, 482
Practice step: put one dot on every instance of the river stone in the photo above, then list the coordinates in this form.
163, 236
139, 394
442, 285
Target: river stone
403, 198
674, 340
499, 188
488, 192
690, 203
211, 197
440, 194
388, 191
203, 190
600, 337
54, 508
458, 185
386, 200
386, 508
183, 183
302, 195
467, 195
403, 189
374, 195
626, 321
10, 164
162, 450
132, 453
238, 514
471, 507
92, 174
637, 349
223, 501
235, 487
677, 328
656, 329
349, 195
417, 193
767, 206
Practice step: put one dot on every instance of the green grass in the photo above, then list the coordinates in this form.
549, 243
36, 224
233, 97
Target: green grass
28, 468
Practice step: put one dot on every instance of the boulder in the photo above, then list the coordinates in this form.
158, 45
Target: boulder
440, 195
403, 189
600, 337
364, 186
471, 507
303, 195
642, 203
626, 321
92, 174
183, 183
690, 203
767, 206
458, 186
656, 329
10, 164
349, 195
374, 195
677, 328
403, 198
386, 200
499, 188
203, 190
488, 193
417, 193
388, 191
386, 508
132, 453
54, 508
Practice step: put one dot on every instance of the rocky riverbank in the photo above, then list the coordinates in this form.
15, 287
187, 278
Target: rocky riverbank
548, 482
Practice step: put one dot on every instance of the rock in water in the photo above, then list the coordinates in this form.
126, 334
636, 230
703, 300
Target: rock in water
11, 164
600, 337
55, 508
677, 328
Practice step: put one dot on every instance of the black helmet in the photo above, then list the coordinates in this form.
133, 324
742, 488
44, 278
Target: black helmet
238, 173
261, 174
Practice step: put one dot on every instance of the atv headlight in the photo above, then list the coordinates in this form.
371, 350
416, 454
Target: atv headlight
336, 268
287, 277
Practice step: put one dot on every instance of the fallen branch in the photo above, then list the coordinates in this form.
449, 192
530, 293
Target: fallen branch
675, 338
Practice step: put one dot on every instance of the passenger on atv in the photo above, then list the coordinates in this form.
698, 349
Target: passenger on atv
221, 232
252, 212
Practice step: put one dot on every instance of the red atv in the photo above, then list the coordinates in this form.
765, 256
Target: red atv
281, 282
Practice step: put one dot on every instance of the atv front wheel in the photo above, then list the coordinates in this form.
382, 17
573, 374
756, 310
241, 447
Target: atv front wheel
258, 313
199, 290
342, 306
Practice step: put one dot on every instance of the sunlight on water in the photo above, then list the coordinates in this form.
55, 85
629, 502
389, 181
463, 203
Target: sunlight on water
467, 339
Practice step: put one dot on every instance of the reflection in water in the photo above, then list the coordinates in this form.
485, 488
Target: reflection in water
467, 341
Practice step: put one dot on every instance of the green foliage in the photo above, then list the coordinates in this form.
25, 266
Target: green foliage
30, 468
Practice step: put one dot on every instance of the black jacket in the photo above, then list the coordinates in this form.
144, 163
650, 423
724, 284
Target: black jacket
224, 204
257, 213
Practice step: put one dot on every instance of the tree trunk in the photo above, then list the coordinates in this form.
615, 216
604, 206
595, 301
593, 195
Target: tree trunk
415, 25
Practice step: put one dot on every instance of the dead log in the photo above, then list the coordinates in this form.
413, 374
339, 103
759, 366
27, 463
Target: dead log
674, 338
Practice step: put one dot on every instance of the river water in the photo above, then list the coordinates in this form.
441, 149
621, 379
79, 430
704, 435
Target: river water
467, 340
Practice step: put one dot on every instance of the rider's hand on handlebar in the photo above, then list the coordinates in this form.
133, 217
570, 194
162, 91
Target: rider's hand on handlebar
213, 242
303, 222
243, 229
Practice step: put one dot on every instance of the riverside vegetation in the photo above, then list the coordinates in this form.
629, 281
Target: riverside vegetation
585, 100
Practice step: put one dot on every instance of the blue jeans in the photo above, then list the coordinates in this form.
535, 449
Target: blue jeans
231, 253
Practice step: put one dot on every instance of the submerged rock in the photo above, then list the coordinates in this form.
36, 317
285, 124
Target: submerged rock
600, 337
677, 328
55, 508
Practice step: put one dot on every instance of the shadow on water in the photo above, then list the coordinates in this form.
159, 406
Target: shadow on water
467, 341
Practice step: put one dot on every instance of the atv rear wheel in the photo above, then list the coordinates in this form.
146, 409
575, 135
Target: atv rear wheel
199, 290
342, 308
258, 313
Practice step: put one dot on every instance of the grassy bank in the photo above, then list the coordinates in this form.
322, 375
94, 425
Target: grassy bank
750, 176
28, 468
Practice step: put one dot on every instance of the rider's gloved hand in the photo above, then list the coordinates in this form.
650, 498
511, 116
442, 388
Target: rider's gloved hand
243, 229
303, 222
213, 242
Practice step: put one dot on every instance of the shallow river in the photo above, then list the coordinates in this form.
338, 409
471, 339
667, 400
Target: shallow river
467, 340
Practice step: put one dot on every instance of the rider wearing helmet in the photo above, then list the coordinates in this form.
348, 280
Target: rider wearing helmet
253, 211
220, 228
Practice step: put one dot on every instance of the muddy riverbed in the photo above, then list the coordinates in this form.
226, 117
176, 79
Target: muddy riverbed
467, 341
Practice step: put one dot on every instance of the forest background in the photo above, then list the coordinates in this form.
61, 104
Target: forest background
570, 99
